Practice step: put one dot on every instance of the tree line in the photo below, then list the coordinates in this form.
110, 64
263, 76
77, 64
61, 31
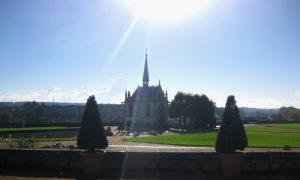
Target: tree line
288, 114
193, 111
185, 107
40, 113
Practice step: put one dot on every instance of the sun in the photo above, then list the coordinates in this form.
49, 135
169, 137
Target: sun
165, 11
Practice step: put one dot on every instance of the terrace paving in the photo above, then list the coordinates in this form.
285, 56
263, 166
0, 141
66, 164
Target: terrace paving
116, 144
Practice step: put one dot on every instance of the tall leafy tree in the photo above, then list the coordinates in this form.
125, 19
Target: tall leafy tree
204, 112
91, 134
232, 134
212, 120
197, 108
177, 106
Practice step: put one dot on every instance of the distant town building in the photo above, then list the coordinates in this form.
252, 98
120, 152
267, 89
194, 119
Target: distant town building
147, 108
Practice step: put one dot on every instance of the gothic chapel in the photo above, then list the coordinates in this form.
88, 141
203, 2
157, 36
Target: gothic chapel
147, 108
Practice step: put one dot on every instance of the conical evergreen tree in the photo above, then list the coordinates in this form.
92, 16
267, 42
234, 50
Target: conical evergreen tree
91, 134
232, 134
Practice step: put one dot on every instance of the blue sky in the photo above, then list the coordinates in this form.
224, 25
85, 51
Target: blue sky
71, 49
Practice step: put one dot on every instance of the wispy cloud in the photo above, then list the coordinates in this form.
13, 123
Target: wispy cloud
297, 94
20, 96
113, 92
291, 99
262, 102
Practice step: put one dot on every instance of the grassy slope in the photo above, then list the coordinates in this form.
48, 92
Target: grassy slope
258, 136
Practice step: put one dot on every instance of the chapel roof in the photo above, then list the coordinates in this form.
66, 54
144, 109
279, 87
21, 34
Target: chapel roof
148, 93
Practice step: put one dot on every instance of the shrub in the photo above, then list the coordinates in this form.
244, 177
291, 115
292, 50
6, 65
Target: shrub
25, 143
287, 147
91, 134
232, 134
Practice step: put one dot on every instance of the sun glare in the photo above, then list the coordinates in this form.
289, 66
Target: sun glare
165, 11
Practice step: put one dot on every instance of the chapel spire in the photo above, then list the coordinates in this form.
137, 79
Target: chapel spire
146, 74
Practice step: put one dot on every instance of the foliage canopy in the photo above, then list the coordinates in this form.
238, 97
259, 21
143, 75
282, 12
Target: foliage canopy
194, 111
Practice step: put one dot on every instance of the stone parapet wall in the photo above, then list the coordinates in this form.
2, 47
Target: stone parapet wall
150, 161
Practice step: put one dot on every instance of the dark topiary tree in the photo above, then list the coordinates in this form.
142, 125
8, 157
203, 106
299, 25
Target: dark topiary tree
232, 134
91, 134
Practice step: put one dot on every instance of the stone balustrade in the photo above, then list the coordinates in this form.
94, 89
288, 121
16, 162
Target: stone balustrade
150, 161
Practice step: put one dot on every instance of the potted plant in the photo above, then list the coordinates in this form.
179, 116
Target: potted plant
92, 138
231, 137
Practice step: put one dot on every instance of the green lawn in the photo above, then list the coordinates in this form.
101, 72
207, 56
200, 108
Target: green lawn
32, 128
289, 126
264, 135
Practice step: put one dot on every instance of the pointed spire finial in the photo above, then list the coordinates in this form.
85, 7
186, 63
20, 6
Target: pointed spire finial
146, 55
146, 74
